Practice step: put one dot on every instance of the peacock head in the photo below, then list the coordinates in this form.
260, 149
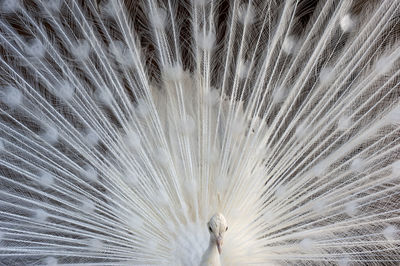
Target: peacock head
217, 227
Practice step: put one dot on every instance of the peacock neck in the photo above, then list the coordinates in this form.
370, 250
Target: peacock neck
211, 256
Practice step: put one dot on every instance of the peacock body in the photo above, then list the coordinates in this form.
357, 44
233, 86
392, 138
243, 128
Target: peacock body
126, 125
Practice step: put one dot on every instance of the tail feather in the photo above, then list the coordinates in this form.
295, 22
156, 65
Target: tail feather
125, 126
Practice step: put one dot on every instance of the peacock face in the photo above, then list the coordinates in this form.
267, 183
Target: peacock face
217, 226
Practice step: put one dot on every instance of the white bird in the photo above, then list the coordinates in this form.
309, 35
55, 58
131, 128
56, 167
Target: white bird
217, 226
127, 128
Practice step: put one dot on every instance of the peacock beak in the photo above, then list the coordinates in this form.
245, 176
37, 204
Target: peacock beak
219, 244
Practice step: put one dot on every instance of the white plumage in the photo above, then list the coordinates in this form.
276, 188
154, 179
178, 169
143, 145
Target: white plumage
126, 125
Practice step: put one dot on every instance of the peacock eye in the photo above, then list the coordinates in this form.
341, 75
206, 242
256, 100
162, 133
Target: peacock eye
226, 229
209, 228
